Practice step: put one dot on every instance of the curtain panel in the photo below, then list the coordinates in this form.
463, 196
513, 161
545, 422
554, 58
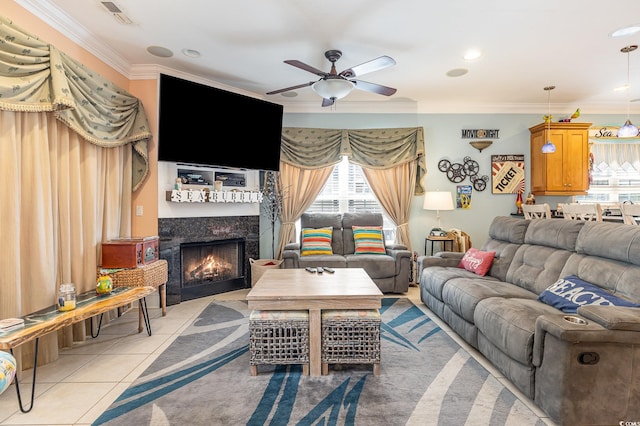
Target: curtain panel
37, 77
379, 149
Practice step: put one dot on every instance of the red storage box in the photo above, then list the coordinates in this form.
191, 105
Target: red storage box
129, 252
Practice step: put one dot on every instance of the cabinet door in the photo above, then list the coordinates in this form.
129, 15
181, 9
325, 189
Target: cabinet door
576, 161
556, 181
538, 163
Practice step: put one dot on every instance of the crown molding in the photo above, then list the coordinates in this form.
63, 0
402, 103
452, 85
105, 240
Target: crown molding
61, 22
47, 11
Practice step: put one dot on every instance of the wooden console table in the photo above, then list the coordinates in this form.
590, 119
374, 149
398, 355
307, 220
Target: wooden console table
50, 319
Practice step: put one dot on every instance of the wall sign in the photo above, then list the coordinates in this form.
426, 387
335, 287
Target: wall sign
463, 196
507, 174
480, 133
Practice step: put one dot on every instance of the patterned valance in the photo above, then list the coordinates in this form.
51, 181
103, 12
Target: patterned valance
36, 77
310, 148
613, 158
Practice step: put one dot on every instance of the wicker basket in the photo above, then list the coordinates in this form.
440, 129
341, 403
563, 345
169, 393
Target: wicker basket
153, 274
351, 336
258, 266
279, 337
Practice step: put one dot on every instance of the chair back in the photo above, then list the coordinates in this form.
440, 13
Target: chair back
630, 212
576, 211
611, 209
536, 211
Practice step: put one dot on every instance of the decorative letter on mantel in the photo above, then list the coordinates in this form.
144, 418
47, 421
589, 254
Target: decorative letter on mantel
202, 196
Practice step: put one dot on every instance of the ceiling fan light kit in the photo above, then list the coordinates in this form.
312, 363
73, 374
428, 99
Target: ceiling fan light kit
333, 85
333, 88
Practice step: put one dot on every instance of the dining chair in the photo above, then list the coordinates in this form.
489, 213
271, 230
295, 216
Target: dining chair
611, 209
630, 212
577, 211
536, 211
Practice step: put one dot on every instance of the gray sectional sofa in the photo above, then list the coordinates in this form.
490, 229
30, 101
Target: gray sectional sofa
581, 368
391, 272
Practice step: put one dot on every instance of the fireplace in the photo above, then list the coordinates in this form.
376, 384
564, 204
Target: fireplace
207, 255
211, 267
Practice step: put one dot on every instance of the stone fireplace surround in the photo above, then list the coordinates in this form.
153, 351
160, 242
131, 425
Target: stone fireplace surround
175, 231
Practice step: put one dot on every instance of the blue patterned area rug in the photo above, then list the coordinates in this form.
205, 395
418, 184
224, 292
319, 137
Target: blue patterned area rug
425, 378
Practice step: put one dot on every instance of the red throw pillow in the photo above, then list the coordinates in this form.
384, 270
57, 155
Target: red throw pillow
477, 261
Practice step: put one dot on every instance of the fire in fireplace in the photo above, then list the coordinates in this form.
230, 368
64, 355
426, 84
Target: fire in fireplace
212, 267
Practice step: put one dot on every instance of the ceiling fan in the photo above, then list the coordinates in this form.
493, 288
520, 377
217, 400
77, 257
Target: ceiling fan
333, 85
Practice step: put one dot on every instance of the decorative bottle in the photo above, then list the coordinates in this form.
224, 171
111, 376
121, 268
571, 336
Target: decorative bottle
519, 202
104, 285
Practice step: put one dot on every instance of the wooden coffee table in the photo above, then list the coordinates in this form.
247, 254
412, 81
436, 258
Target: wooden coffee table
297, 289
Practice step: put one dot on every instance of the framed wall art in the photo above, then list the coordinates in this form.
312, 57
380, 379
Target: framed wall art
507, 174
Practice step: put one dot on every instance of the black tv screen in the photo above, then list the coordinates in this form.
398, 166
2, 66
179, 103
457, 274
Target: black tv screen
204, 125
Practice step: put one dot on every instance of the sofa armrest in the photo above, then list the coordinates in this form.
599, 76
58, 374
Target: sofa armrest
577, 332
396, 246
291, 256
398, 253
443, 258
613, 318
292, 246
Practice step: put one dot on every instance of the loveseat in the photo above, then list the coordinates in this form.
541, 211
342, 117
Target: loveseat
389, 268
581, 364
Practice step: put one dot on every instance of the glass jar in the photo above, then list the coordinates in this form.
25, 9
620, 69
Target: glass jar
66, 297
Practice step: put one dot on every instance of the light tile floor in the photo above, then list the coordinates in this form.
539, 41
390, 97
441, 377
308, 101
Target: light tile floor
75, 389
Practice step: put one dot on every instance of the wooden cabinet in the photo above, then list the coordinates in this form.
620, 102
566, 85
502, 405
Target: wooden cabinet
566, 171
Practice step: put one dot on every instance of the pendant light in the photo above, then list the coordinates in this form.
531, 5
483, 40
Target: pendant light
548, 147
628, 130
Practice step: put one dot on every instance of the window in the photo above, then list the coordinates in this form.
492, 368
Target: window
347, 190
615, 174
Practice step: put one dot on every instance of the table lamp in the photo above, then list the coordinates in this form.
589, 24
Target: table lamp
438, 200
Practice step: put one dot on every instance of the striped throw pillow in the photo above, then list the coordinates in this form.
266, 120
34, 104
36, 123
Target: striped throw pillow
316, 241
368, 240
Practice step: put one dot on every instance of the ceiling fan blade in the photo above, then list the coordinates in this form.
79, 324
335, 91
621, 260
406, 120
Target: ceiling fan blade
370, 66
305, 67
327, 102
374, 88
291, 88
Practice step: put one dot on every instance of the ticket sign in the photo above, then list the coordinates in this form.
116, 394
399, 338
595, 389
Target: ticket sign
507, 174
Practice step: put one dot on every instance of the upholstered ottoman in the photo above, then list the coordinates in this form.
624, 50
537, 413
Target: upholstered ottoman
278, 337
351, 336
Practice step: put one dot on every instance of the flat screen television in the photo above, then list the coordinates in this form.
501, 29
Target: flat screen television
207, 126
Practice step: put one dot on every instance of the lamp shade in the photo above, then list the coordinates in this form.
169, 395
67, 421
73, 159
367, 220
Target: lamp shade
438, 200
333, 88
548, 148
628, 130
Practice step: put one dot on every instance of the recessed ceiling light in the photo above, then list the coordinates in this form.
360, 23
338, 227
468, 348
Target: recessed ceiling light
472, 55
457, 72
191, 53
161, 52
625, 31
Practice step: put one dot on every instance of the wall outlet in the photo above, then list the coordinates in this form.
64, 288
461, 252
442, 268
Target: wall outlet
138, 210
